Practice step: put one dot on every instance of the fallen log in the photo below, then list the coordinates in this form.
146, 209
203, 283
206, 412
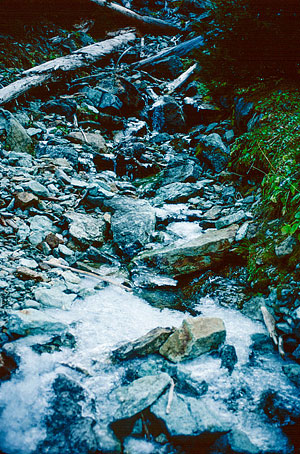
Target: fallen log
56, 264
181, 80
54, 69
150, 24
270, 324
180, 50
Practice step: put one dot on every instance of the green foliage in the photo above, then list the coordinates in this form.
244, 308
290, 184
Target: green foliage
272, 151
249, 39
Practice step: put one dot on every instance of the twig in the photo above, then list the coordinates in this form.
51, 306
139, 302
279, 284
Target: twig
56, 264
170, 397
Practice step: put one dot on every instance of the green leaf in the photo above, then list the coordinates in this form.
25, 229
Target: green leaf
285, 229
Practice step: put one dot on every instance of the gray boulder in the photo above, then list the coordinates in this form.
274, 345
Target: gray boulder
140, 394
195, 336
132, 224
16, 137
233, 218
33, 321
85, 228
167, 115
178, 192
54, 297
145, 345
188, 417
198, 254
212, 151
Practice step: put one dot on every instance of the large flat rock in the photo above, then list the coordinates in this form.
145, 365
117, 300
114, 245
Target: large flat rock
193, 255
140, 394
197, 335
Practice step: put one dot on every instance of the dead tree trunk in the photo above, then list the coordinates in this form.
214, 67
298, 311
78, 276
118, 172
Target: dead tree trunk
181, 50
54, 69
150, 24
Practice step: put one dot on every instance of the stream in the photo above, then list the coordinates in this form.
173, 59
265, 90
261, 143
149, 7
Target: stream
105, 320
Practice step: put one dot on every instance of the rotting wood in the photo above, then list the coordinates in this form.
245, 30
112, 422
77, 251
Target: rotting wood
54, 69
56, 264
270, 324
180, 50
147, 23
181, 80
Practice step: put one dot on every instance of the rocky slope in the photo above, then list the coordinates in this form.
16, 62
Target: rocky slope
112, 175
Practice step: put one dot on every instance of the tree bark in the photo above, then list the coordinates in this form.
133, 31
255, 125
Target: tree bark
181, 50
150, 24
181, 80
54, 69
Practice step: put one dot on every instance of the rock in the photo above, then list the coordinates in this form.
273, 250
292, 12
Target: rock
292, 371
140, 394
279, 408
40, 227
201, 253
63, 150
242, 232
188, 419
54, 297
167, 115
64, 107
86, 229
25, 200
233, 218
242, 113
178, 192
235, 442
228, 357
185, 170
56, 344
198, 112
26, 274
37, 188
53, 241
196, 336
7, 365
32, 321
132, 225
286, 247
17, 138
166, 68
94, 140
68, 431
212, 151
145, 345
102, 99
252, 307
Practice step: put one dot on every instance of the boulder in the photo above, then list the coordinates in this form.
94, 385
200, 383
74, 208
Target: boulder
178, 192
167, 115
286, 247
292, 371
33, 321
36, 188
132, 225
85, 228
195, 336
94, 140
25, 274
198, 112
201, 253
25, 200
64, 107
102, 99
145, 345
7, 365
140, 394
213, 152
228, 357
58, 150
16, 137
235, 442
233, 218
54, 297
189, 421
40, 227
68, 430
